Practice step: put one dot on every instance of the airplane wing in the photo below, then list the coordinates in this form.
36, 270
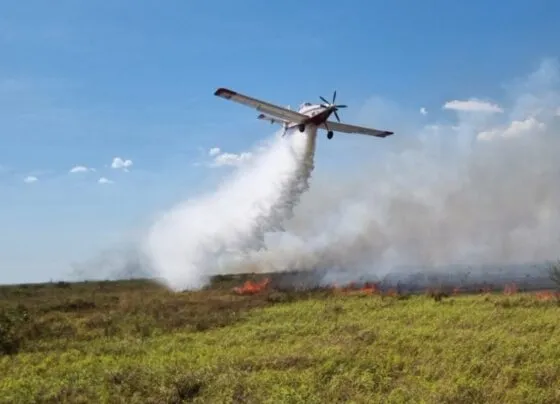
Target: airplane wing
343, 127
273, 119
269, 109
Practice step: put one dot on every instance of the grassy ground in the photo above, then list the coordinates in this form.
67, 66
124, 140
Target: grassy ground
135, 342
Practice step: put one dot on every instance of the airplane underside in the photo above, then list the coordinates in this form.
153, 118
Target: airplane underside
302, 126
317, 121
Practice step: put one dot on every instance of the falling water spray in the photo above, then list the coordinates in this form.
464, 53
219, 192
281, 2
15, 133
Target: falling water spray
210, 234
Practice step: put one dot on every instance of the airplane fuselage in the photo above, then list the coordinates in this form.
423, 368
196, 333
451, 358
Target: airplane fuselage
318, 114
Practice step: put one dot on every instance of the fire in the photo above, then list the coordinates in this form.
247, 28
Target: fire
510, 289
368, 288
374, 289
251, 288
485, 290
547, 295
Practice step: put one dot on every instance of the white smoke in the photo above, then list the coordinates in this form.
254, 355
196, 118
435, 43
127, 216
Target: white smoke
480, 190
483, 190
207, 235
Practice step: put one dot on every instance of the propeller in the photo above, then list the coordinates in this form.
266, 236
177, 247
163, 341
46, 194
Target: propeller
333, 105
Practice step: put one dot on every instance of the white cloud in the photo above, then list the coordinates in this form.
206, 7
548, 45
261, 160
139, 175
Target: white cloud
473, 105
514, 129
104, 180
121, 163
220, 158
80, 169
423, 111
30, 179
231, 159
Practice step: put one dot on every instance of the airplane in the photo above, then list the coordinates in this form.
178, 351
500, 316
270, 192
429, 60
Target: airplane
308, 114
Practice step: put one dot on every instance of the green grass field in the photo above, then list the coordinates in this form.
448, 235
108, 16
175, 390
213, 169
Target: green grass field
136, 342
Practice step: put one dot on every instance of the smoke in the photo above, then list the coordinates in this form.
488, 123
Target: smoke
207, 235
478, 191
122, 261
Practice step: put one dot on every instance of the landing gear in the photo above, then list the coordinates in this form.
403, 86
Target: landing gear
301, 127
330, 134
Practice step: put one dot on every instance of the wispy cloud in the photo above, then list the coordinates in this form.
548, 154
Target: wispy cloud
232, 159
473, 105
30, 179
120, 163
423, 111
104, 180
221, 159
80, 169
514, 129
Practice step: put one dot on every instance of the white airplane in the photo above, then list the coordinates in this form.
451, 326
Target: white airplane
314, 115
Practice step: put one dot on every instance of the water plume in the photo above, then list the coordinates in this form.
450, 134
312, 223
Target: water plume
208, 234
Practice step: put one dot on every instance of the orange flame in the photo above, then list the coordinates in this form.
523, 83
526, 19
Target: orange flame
510, 289
251, 288
392, 292
547, 295
368, 288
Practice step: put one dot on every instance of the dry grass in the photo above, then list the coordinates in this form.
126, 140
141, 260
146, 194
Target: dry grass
134, 341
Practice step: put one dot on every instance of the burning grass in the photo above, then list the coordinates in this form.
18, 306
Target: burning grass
248, 340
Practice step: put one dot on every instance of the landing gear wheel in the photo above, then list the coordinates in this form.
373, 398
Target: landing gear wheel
330, 134
301, 127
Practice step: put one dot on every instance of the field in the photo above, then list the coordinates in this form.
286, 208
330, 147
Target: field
136, 342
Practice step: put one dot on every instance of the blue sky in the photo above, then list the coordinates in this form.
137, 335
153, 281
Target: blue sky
82, 83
